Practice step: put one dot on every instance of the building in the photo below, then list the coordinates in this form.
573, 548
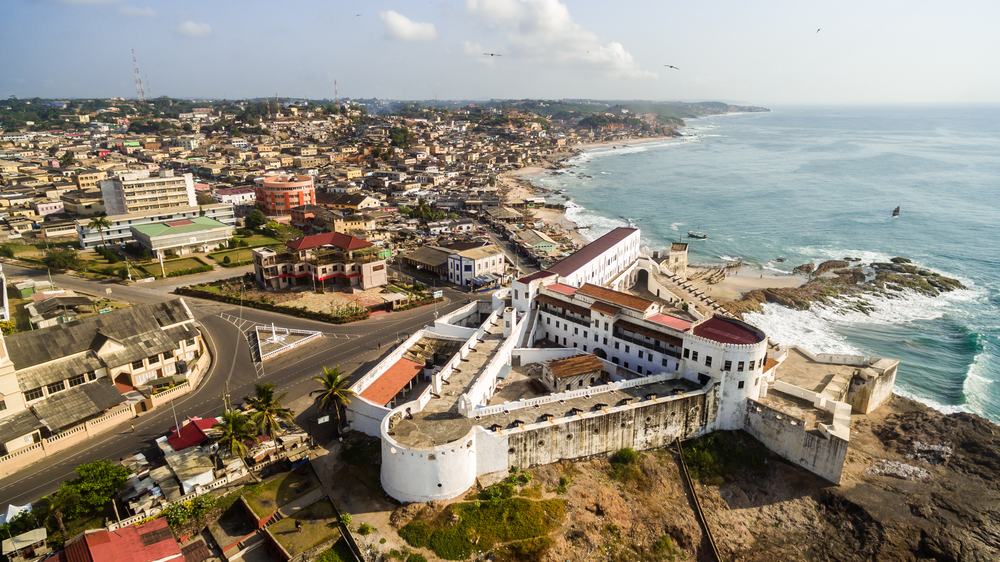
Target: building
43, 207
348, 201
579, 371
184, 236
235, 195
56, 378
88, 179
83, 202
330, 257
147, 542
279, 193
465, 266
537, 241
130, 194
120, 231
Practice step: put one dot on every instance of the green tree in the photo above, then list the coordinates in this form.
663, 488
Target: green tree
66, 159
205, 198
334, 393
100, 224
402, 137
7, 250
64, 503
255, 219
237, 430
98, 482
62, 258
268, 409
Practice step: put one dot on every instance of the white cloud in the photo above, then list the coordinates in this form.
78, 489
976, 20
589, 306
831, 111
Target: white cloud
192, 29
544, 31
403, 28
137, 12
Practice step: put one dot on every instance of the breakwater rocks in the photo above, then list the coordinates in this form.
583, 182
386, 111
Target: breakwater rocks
847, 278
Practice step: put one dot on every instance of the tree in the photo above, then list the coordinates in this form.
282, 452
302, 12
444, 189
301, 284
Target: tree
8, 327
402, 137
237, 429
255, 220
64, 503
100, 224
334, 393
66, 159
62, 258
7, 250
268, 409
205, 198
98, 482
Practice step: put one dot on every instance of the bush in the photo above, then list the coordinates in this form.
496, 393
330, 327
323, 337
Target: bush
345, 519
626, 455
176, 514
416, 533
202, 505
7, 250
107, 254
416, 557
190, 271
365, 529
226, 259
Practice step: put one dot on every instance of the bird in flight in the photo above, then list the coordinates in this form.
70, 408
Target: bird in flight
671, 66
357, 15
817, 31
492, 55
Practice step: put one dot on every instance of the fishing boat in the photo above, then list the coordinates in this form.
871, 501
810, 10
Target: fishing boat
697, 235
895, 212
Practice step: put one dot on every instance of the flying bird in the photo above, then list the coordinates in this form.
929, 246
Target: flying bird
671, 66
817, 31
492, 55
357, 15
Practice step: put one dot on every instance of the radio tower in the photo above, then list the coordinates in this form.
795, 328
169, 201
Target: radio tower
139, 94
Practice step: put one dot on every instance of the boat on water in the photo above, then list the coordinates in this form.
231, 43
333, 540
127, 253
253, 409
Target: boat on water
895, 212
697, 235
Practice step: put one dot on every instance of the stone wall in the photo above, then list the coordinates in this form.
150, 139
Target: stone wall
787, 436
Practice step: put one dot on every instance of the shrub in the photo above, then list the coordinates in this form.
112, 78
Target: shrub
626, 455
226, 259
202, 505
176, 514
345, 519
7, 250
416, 533
416, 557
365, 529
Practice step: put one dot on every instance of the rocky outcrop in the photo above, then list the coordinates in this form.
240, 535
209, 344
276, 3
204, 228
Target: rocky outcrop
804, 269
829, 266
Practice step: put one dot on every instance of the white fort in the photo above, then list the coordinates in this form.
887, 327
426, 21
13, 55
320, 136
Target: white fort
607, 349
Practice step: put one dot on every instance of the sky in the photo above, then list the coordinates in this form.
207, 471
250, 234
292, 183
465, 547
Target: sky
761, 52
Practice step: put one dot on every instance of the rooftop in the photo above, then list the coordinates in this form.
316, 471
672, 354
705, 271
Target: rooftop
727, 331
573, 366
392, 381
621, 299
670, 321
560, 288
336, 239
587, 253
178, 227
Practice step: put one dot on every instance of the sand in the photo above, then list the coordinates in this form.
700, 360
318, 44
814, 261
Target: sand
741, 280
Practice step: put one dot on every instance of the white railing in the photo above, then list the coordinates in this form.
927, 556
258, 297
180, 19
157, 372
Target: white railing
310, 335
568, 395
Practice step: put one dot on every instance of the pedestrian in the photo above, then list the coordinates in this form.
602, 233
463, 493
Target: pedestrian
380, 345
298, 525
133, 428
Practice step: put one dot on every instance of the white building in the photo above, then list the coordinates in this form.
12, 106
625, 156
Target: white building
464, 266
235, 196
120, 231
130, 194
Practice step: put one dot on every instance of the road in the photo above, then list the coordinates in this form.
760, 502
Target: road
349, 346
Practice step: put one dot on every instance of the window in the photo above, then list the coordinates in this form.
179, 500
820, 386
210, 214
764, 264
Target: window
189, 343
739, 366
694, 355
585, 334
616, 345
741, 384
605, 341
614, 360
574, 344
638, 370
664, 362
756, 381
687, 353
77, 380
760, 364
727, 366
626, 364
56, 387
564, 341
168, 354
585, 348
33, 394
153, 360
557, 323
751, 365
3, 405
595, 339
548, 320
576, 330
605, 325
708, 361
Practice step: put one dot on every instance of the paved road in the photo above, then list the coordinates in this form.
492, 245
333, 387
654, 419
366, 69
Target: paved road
350, 346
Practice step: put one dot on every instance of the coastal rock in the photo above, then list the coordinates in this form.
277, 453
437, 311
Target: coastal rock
804, 269
829, 266
901, 260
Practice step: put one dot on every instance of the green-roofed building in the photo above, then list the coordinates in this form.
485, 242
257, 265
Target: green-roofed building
195, 234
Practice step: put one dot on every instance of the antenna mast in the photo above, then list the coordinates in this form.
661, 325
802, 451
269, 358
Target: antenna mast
139, 94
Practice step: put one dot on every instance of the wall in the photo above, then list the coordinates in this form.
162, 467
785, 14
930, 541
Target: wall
865, 395
416, 475
788, 437
365, 416
537, 355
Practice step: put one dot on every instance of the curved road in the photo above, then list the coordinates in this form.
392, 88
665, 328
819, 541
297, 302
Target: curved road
349, 346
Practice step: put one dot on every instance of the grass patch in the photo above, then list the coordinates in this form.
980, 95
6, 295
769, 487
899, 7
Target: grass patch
339, 552
258, 240
725, 455
624, 466
464, 527
236, 255
318, 526
523, 551
265, 499
174, 266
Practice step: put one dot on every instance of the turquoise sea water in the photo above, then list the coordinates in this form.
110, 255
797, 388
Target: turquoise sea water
809, 184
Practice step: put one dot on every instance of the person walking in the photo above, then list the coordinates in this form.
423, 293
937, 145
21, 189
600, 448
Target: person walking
133, 428
380, 345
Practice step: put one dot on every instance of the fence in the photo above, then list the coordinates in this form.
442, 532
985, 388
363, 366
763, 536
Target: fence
310, 335
568, 395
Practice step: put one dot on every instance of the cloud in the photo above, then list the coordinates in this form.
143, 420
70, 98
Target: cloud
544, 30
137, 12
192, 29
403, 28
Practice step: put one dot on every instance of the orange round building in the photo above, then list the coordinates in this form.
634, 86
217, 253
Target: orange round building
280, 192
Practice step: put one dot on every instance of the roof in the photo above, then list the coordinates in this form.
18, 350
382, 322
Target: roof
769, 364
560, 288
649, 332
235, 190
433, 256
481, 252
173, 228
534, 238
584, 255
191, 433
605, 308
140, 543
18, 425
68, 407
622, 299
573, 366
727, 331
336, 239
392, 381
670, 321
196, 552
24, 540
678, 246
575, 308
535, 276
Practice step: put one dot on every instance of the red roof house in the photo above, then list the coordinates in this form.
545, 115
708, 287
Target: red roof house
336, 239
149, 542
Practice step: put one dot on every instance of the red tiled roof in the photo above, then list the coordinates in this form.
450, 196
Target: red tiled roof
571, 366
575, 308
190, 434
769, 364
342, 241
649, 333
141, 543
670, 322
392, 381
605, 308
533, 276
726, 331
587, 253
621, 299
560, 288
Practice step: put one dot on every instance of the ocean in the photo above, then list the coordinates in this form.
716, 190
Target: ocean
808, 184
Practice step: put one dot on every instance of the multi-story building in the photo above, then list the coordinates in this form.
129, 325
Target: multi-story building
129, 194
87, 179
197, 234
321, 258
120, 230
280, 192
235, 195
466, 266
85, 203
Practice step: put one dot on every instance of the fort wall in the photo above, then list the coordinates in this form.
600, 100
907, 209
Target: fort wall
818, 452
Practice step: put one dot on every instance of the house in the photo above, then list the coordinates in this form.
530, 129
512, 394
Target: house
147, 542
320, 258
487, 263
572, 373
347, 201
432, 259
538, 241
184, 236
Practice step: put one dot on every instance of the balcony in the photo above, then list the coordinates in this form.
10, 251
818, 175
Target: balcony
655, 345
584, 323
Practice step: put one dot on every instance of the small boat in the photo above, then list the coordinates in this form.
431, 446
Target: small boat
895, 212
697, 235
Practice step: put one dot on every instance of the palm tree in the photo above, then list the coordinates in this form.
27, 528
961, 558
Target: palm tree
237, 429
268, 409
63, 503
334, 393
100, 224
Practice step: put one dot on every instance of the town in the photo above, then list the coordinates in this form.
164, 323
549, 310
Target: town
174, 270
